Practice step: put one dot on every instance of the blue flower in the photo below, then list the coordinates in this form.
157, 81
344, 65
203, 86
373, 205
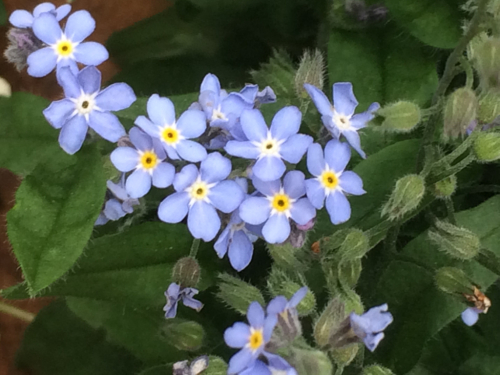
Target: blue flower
276, 366
199, 194
174, 135
118, 206
277, 206
255, 97
339, 118
174, 294
24, 19
270, 146
250, 338
470, 315
85, 105
146, 159
369, 326
331, 180
280, 305
64, 48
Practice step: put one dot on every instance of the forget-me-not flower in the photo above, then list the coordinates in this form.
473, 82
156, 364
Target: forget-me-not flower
339, 118
199, 194
276, 366
255, 97
278, 204
369, 327
64, 48
86, 106
174, 294
147, 161
23, 19
280, 305
119, 205
470, 315
250, 338
271, 146
174, 135
331, 180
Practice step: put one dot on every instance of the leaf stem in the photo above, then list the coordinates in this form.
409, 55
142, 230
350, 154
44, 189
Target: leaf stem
194, 248
450, 210
16, 312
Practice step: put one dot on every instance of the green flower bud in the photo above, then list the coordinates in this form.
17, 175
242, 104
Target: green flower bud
445, 188
455, 241
489, 107
310, 361
453, 280
288, 256
238, 294
459, 111
216, 366
376, 370
349, 272
183, 334
486, 52
330, 244
186, 272
405, 197
345, 355
279, 73
311, 70
400, 116
355, 245
487, 147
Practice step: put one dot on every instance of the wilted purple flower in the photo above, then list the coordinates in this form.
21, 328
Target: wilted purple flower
255, 97
119, 205
369, 327
24, 19
174, 294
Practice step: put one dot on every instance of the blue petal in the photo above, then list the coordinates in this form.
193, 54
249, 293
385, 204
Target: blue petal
343, 98
249, 92
185, 177
117, 190
315, 160
242, 183
66, 63
113, 210
191, 151
73, 134
266, 96
258, 368
234, 104
62, 11
21, 19
242, 149
470, 316
145, 124
277, 305
315, 193
372, 341
125, 159
101, 220
116, 97
211, 83
353, 139
208, 101
203, 221
276, 229
295, 147
255, 315
43, 8
269, 325
138, 183
338, 207
58, 113
174, 208
253, 125
192, 303
269, 168
140, 140
42, 62
106, 125
91, 53
330, 126
163, 175
47, 29
240, 361
337, 155
237, 336
171, 152
255, 210
226, 196
293, 183
302, 211
89, 79
69, 83
319, 99
268, 188
360, 120
159, 149
192, 123
215, 168
286, 123
298, 296
240, 251
222, 243
79, 26
161, 110
351, 183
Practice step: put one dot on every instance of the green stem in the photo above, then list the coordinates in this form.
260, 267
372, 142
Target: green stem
464, 146
391, 240
469, 73
489, 260
194, 248
452, 170
450, 210
16, 312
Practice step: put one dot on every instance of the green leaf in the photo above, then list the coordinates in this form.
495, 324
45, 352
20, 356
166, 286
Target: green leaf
26, 139
481, 364
55, 211
3, 14
59, 343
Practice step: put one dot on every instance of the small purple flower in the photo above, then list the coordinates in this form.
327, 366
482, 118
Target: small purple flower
85, 105
369, 326
120, 205
331, 180
174, 136
146, 159
339, 118
470, 315
270, 146
24, 19
277, 206
174, 294
64, 48
255, 97
199, 194
250, 338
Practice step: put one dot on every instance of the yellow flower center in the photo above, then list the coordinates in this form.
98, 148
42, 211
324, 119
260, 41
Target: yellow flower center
64, 48
149, 160
198, 190
281, 202
256, 339
170, 135
329, 180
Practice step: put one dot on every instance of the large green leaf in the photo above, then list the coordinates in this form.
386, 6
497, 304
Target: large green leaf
55, 211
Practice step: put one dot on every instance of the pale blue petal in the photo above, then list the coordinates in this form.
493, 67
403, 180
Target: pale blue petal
268, 188
353, 139
470, 316
58, 113
319, 99
41, 62
255, 210
253, 125
360, 120
43, 8
138, 183
302, 211
338, 207
211, 83
192, 303
242, 183
163, 175
192, 123
172, 154
226, 196
113, 210
89, 79
242, 149
266, 96
91, 53
255, 315
67, 63
240, 361
161, 110
258, 368
145, 124
315, 159
191, 151
344, 100
293, 183
277, 305
331, 127
185, 177
298, 296
203, 221
222, 243
124, 158
73, 134
240, 251
249, 92
276, 229
237, 132
269, 168
140, 140
21, 19
269, 324
117, 190
237, 336
47, 29
295, 147
69, 83
101, 220
208, 101
63, 11
159, 149
174, 208
351, 183
106, 125
79, 26
372, 341
337, 155
215, 168
286, 123
116, 97
234, 104
315, 193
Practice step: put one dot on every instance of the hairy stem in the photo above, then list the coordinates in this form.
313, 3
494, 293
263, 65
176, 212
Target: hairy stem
194, 248
16, 312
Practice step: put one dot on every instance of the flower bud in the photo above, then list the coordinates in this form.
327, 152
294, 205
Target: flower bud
459, 111
311, 70
186, 272
487, 147
345, 355
298, 234
279, 73
489, 107
22, 43
280, 284
216, 366
288, 256
400, 116
183, 334
329, 245
5, 89
376, 370
355, 245
453, 280
310, 361
445, 188
487, 61
457, 242
405, 197
238, 294
349, 272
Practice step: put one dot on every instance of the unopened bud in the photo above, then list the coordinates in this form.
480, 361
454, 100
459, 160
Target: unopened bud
329, 245
489, 107
355, 245
22, 43
216, 366
400, 116
349, 272
459, 111
453, 280
376, 370
311, 70
310, 361
238, 294
445, 188
186, 272
345, 355
405, 197
455, 241
184, 334
288, 256
298, 234
487, 61
279, 73
487, 147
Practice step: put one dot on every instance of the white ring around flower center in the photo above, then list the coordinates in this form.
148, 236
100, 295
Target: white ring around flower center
218, 115
269, 146
330, 180
199, 191
341, 121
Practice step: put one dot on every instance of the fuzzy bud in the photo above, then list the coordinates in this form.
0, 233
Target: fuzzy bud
453, 280
459, 111
405, 197
238, 294
298, 234
376, 370
349, 272
310, 361
445, 188
455, 241
489, 107
186, 272
487, 147
216, 366
400, 116
279, 73
22, 43
280, 284
345, 355
288, 256
486, 52
183, 334
355, 245
311, 70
